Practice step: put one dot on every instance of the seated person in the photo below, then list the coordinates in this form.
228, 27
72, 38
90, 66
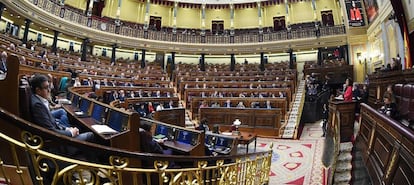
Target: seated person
160, 107
203, 125
216, 129
240, 105
389, 108
142, 111
42, 115
60, 114
148, 144
227, 104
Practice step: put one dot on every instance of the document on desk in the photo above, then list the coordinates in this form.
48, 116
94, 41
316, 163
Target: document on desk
104, 129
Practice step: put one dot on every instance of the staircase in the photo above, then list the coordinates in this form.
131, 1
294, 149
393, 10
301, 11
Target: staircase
343, 170
360, 175
291, 126
350, 168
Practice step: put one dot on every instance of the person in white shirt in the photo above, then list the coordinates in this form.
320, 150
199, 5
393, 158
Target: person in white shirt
160, 107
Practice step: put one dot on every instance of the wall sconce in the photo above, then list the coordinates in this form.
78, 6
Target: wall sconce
359, 57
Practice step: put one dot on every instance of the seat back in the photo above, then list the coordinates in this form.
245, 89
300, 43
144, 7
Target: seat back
410, 115
25, 95
403, 107
398, 89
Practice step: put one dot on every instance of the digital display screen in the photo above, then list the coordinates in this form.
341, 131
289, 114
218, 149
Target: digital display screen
75, 100
224, 142
99, 113
186, 137
84, 105
117, 120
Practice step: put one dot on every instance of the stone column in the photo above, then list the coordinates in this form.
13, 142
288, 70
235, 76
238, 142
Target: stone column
143, 59
113, 57
262, 61
232, 62
26, 31
84, 48
202, 62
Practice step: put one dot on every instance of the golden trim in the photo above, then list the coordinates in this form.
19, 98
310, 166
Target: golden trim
392, 162
248, 169
371, 139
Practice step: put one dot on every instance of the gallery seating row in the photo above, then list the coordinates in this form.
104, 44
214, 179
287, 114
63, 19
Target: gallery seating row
106, 91
248, 102
235, 92
217, 84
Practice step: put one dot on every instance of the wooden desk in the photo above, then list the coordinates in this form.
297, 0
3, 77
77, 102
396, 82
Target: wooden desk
179, 146
195, 146
265, 122
87, 122
127, 139
245, 138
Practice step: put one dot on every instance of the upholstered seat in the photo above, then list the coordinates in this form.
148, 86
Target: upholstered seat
398, 89
24, 102
410, 115
404, 105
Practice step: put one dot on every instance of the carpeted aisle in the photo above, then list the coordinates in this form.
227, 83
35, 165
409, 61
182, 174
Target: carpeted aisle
295, 162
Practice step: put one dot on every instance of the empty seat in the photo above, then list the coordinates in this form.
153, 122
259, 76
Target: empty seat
398, 89
25, 101
403, 107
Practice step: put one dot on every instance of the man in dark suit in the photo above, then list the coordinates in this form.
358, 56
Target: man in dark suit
41, 114
227, 104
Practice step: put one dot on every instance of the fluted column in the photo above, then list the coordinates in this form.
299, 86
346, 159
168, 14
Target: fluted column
203, 23
146, 19
174, 31
231, 23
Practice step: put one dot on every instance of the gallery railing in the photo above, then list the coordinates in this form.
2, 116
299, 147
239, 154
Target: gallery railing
33, 155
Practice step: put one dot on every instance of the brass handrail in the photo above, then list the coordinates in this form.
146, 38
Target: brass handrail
32, 149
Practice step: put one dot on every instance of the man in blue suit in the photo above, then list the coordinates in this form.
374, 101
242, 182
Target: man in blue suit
41, 114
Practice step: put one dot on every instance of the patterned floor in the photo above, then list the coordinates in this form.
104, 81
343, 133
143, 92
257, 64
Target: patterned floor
295, 162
